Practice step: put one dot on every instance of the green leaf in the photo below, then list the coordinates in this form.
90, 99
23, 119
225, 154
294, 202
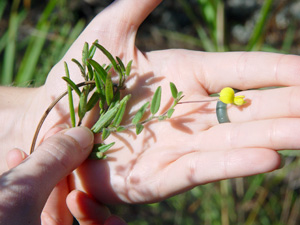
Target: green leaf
82, 107
140, 113
109, 91
155, 103
173, 90
80, 67
105, 133
108, 68
92, 50
85, 54
102, 73
128, 68
120, 129
108, 55
139, 128
179, 96
70, 95
121, 65
170, 113
90, 71
98, 82
93, 101
72, 85
119, 116
104, 147
105, 119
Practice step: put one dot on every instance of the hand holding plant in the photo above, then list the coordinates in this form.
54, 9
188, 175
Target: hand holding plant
192, 148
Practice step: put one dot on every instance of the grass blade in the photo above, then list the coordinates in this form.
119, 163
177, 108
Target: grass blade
259, 27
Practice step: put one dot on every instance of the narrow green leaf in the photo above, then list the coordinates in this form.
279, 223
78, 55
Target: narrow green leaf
104, 147
179, 96
139, 128
108, 68
121, 65
99, 69
70, 96
119, 116
80, 67
102, 101
72, 84
173, 90
170, 113
105, 133
93, 101
109, 91
98, 82
120, 129
105, 120
90, 71
108, 55
155, 103
92, 50
82, 107
140, 113
128, 68
85, 54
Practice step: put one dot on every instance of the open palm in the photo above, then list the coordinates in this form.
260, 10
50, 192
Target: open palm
191, 148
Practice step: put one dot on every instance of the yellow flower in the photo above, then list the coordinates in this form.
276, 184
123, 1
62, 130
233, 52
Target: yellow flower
227, 96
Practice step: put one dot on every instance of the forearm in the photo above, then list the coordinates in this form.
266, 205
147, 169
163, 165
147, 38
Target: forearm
19, 114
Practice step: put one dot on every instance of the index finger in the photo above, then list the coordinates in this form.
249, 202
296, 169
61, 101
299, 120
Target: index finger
246, 70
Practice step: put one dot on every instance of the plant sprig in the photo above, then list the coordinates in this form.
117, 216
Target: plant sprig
106, 94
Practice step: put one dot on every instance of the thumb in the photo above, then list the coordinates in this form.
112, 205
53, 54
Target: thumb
59, 155
27, 186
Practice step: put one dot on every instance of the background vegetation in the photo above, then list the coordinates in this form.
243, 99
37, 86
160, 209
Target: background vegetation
34, 35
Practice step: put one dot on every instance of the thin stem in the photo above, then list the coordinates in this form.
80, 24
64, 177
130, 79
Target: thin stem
46, 113
200, 101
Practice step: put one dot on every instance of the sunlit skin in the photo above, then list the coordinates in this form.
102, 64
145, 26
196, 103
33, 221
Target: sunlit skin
192, 148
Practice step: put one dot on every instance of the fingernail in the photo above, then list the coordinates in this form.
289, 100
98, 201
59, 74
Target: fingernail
82, 135
282, 161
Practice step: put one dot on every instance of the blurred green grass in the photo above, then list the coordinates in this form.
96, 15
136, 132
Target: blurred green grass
26, 59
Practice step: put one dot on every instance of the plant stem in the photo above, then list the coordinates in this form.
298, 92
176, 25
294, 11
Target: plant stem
46, 113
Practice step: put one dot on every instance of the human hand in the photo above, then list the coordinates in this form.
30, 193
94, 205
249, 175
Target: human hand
39, 182
192, 148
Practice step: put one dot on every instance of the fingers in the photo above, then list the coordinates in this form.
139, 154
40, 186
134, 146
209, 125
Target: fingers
60, 154
15, 157
267, 104
87, 211
200, 168
36, 176
56, 211
245, 70
241, 70
277, 134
